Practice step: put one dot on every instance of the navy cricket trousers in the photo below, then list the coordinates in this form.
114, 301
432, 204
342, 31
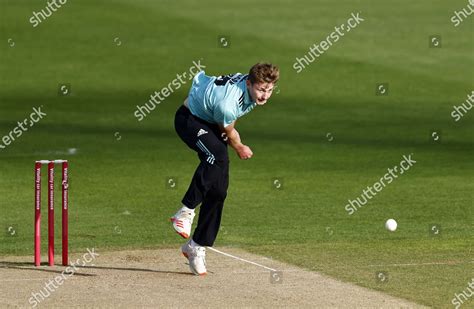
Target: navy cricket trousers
211, 179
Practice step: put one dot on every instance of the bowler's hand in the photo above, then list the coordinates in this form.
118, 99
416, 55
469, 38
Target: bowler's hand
244, 152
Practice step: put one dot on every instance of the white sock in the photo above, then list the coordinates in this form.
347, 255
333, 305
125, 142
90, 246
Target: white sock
194, 244
184, 208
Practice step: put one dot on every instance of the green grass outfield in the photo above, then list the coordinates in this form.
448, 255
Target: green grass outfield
119, 197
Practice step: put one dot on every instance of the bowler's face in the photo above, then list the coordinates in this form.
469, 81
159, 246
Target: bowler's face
260, 92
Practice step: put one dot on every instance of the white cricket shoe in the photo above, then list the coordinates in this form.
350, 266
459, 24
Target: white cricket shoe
182, 221
196, 256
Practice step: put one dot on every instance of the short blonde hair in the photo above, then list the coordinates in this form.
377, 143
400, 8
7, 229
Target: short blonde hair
264, 73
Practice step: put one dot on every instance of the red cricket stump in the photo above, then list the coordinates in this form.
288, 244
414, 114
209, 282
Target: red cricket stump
65, 204
37, 214
65, 207
51, 213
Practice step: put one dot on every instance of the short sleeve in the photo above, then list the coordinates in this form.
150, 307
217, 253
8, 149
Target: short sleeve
224, 115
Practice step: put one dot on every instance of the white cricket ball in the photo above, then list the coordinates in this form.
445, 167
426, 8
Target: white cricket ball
391, 225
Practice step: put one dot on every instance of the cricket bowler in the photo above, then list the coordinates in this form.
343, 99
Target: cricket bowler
206, 124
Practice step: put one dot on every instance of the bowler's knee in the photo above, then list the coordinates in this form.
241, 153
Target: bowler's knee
219, 193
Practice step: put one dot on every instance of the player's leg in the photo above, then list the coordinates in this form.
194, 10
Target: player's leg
204, 138
212, 176
211, 209
212, 152
183, 219
209, 184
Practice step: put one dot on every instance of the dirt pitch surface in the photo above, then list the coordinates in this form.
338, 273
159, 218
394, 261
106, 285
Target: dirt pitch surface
161, 278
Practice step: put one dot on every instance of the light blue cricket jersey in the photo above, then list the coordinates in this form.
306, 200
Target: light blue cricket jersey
220, 99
